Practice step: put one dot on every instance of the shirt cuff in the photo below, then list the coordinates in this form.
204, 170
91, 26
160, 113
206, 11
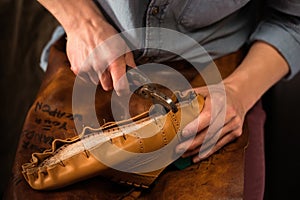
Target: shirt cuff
57, 33
283, 40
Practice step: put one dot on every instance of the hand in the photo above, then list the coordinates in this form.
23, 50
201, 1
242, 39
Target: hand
95, 56
213, 128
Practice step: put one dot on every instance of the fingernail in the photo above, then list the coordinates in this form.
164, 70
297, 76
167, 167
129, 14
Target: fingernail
180, 150
185, 155
195, 160
107, 87
186, 133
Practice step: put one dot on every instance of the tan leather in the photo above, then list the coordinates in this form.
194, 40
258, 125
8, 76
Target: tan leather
73, 161
49, 119
218, 177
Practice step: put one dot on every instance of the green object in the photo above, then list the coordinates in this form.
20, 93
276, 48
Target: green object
182, 163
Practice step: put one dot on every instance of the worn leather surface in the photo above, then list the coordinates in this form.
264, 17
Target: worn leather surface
75, 159
219, 177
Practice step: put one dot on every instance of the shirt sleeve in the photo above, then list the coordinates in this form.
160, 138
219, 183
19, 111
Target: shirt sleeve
280, 27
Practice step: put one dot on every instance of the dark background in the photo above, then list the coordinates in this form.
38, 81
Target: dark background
26, 27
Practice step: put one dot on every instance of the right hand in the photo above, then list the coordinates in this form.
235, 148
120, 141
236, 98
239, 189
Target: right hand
220, 122
95, 59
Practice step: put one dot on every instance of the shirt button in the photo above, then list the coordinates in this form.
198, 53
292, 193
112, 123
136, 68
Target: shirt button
155, 10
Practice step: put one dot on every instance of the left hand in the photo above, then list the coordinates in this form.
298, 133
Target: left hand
226, 123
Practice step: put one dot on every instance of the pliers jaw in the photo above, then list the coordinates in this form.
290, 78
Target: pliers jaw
147, 91
140, 84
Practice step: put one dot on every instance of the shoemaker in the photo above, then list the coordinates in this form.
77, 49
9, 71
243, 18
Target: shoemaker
270, 33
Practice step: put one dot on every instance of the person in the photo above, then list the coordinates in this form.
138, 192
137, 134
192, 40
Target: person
221, 27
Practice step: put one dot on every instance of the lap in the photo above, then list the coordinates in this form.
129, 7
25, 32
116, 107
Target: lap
219, 176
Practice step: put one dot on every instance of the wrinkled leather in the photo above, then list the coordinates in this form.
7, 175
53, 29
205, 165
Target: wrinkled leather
58, 167
219, 177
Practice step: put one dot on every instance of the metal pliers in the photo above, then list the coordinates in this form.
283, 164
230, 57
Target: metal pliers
140, 84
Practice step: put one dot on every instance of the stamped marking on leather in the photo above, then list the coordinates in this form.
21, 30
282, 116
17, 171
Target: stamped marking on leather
56, 119
53, 112
35, 140
48, 122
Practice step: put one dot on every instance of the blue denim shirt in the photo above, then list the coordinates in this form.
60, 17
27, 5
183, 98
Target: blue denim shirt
220, 26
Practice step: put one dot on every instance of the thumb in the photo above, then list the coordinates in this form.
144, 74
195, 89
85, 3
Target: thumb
199, 90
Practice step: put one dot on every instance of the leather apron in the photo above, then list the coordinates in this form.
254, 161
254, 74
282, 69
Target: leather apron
221, 176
